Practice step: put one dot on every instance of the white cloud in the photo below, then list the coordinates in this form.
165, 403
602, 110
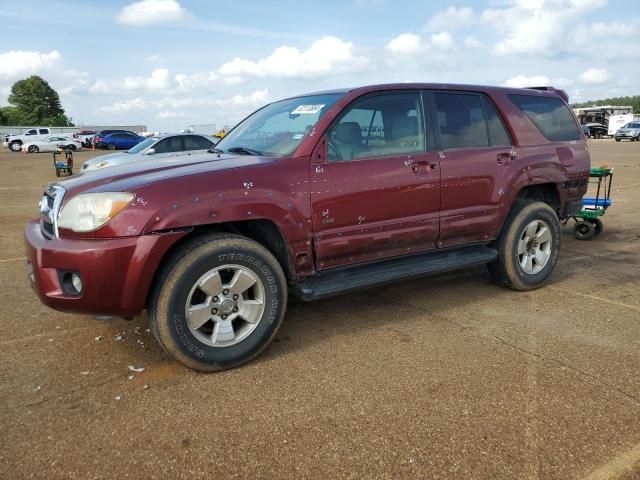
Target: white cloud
405, 44
125, 106
451, 19
329, 55
594, 76
159, 79
256, 99
18, 63
522, 81
196, 80
442, 40
537, 27
472, 42
562, 82
149, 12
604, 30
168, 115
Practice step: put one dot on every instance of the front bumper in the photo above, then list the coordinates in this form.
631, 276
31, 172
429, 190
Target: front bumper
116, 273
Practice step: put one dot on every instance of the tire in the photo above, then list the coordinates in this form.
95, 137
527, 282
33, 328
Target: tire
15, 146
598, 226
584, 230
71, 147
528, 247
617, 139
33, 149
202, 340
111, 146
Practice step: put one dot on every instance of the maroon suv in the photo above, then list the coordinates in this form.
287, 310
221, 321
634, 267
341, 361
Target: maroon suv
316, 195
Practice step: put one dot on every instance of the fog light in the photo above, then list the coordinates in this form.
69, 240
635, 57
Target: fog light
76, 281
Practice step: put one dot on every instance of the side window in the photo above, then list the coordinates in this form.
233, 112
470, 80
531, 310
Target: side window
44, 131
194, 142
381, 125
461, 120
168, 145
497, 132
550, 115
32, 132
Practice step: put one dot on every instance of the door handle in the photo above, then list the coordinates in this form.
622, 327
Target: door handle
505, 158
423, 165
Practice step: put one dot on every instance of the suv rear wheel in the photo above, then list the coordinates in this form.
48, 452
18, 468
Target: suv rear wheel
528, 247
219, 303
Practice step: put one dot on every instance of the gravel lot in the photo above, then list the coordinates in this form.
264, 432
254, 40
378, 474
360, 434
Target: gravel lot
447, 377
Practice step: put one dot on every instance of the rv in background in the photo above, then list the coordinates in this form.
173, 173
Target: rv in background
605, 120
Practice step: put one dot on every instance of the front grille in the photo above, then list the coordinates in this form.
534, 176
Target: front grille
50, 209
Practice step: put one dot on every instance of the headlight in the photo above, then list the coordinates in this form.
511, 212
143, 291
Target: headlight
90, 211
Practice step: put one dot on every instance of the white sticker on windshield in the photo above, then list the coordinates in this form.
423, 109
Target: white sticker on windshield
297, 136
305, 109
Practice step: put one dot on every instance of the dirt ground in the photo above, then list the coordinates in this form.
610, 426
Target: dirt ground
446, 377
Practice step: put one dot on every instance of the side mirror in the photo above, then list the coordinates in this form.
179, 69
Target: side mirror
151, 151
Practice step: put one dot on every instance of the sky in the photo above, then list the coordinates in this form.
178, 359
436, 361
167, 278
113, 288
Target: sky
169, 64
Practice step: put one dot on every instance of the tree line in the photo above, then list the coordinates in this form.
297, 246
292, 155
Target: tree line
633, 101
32, 102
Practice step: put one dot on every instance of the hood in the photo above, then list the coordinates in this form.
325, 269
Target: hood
129, 176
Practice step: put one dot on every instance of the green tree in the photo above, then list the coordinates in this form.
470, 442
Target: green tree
34, 102
10, 116
633, 101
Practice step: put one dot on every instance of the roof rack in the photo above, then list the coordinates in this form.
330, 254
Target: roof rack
558, 91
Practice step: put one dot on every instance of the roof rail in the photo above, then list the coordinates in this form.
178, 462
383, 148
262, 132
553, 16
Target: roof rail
558, 91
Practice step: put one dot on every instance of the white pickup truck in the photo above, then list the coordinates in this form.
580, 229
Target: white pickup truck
14, 142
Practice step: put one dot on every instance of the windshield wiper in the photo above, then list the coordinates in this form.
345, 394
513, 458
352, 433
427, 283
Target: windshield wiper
215, 150
244, 150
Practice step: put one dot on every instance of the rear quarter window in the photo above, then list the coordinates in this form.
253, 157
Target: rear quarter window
550, 115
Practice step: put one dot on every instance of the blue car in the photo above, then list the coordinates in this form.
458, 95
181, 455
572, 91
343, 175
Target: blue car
119, 141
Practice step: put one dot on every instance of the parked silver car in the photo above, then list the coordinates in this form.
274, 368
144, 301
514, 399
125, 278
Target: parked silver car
630, 130
161, 146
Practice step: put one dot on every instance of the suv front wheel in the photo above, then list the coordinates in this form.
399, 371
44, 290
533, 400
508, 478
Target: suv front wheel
528, 247
219, 303
15, 146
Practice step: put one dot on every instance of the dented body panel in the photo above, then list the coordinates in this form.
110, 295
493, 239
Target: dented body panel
328, 214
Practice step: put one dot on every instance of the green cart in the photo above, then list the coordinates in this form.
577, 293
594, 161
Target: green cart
588, 223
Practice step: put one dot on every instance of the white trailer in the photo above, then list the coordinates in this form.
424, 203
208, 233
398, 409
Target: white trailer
618, 121
203, 129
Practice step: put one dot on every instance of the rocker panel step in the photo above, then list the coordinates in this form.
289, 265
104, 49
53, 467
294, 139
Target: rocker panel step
374, 274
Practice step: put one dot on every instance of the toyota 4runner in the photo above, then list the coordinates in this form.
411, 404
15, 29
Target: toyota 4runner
316, 195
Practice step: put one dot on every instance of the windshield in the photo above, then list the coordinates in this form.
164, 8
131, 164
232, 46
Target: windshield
142, 145
632, 125
278, 128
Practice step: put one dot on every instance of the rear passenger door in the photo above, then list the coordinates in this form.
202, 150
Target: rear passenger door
375, 191
476, 155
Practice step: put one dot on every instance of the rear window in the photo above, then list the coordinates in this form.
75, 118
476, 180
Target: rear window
550, 115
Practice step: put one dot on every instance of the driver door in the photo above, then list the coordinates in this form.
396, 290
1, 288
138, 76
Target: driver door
375, 185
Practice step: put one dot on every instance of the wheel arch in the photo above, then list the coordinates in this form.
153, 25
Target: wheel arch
262, 231
547, 192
